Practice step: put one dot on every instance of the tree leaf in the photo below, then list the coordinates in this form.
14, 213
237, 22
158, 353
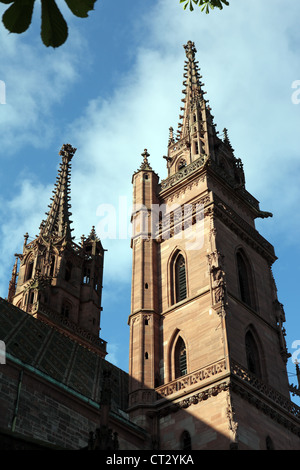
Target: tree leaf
206, 5
54, 30
17, 17
81, 7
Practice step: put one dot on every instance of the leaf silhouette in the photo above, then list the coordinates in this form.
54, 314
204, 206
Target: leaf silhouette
54, 30
17, 17
80, 7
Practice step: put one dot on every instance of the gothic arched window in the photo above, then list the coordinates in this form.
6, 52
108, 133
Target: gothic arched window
180, 279
86, 275
68, 271
52, 265
31, 297
252, 354
269, 443
180, 358
181, 164
186, 441
66, 309
245, 280
29, 270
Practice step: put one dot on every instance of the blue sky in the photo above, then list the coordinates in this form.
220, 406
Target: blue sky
114, 89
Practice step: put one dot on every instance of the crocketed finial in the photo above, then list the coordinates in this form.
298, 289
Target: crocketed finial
67, 151
145, 164
190, 49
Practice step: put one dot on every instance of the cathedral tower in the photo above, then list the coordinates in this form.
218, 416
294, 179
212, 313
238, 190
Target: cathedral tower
59, 281
207, 347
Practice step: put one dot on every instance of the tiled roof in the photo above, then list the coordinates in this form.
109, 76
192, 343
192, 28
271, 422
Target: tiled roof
49, 351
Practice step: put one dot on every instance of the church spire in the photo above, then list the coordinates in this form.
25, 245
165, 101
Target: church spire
196, 134
58, 222
193, 91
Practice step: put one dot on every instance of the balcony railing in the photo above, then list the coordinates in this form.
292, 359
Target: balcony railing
187, 381
263, 388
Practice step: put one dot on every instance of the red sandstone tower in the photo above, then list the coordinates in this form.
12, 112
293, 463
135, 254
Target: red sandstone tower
207, 348
59, 281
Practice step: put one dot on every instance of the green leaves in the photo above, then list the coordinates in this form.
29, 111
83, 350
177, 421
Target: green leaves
54, 29
17, 17
80, 7
205, 4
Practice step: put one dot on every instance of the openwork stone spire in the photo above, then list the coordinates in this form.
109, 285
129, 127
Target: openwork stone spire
193, 91
196, 135
58, 222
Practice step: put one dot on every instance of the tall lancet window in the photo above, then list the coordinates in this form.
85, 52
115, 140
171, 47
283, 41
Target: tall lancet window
180, 358
180, 279
186, 441
29, 270
252, 353
245, 280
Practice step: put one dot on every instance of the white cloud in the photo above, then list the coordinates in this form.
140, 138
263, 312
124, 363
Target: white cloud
248, 57
248, 65
35, 83
21, 214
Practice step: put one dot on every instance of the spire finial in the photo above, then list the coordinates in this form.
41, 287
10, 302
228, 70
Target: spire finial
190, 50
26, 236
67, 151
93, 234
145, 164
226, 138
171, 136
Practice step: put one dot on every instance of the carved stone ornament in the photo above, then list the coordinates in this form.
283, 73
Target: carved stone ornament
233, 425
194, 399
218, 283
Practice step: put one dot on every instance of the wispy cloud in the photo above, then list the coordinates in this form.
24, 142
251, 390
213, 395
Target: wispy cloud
248, 58
35, 82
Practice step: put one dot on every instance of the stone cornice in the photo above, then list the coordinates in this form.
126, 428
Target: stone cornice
183, 174
239, 380
244, 230
205, 290
188, 382
206, 163
265, 398
263, 390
